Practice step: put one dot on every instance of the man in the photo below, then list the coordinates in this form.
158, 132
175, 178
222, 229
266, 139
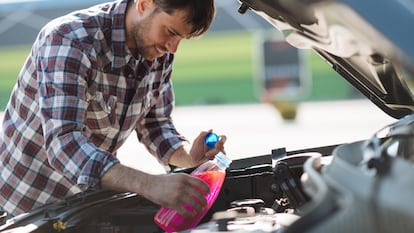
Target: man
93, 77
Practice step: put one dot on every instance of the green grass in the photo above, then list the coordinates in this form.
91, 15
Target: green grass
11, 60
216, 68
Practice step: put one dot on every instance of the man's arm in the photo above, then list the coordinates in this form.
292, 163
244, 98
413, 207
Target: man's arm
172, 190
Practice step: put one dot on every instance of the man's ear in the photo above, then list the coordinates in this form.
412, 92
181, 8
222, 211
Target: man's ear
144, 6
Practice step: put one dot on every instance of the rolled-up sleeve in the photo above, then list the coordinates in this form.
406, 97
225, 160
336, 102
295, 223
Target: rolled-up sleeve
63, 107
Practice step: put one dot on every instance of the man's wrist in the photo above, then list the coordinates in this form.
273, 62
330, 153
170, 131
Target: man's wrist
181, 157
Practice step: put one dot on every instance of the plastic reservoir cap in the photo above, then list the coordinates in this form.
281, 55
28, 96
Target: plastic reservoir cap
211, 139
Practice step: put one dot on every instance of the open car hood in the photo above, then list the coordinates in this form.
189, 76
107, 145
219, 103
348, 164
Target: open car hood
369, 42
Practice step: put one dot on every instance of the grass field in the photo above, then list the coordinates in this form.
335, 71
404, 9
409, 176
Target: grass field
11, 60
217, 68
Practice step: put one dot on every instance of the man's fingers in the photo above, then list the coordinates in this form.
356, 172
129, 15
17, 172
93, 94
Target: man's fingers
193, 199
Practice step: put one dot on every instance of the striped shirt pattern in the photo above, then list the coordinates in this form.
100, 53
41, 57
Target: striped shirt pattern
78, 97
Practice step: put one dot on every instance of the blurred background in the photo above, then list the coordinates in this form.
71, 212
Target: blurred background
240, 79
222, 67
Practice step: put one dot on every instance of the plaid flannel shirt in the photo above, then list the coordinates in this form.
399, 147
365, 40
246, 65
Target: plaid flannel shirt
78, 97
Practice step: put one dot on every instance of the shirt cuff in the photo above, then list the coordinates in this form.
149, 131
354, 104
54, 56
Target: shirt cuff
171, 151
93, 170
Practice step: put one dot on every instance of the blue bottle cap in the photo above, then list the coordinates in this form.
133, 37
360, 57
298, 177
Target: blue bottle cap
211, 139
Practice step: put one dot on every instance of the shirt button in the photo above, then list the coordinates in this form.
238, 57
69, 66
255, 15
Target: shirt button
108, 109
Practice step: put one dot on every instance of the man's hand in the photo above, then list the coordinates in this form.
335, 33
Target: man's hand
178, 191
198, 153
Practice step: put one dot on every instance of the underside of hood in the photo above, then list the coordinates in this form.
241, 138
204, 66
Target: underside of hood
369, 42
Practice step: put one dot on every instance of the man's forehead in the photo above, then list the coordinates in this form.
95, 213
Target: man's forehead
179, 24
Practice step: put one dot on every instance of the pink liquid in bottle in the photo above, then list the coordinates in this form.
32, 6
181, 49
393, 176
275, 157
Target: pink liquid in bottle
171, 221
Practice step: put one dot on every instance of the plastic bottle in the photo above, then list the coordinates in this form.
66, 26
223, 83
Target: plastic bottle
213, 173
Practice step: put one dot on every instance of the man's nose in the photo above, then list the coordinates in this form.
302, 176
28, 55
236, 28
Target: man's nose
172, 44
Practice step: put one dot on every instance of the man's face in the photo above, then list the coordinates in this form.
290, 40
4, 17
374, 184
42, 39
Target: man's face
157, 33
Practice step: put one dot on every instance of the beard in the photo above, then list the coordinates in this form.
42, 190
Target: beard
138, 36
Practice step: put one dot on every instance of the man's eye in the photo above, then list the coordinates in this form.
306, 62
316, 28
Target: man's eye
171, 33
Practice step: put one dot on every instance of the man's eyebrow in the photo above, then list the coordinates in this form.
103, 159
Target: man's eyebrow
178, 34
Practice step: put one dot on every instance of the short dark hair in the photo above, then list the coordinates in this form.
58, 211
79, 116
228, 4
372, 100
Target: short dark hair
200, 12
